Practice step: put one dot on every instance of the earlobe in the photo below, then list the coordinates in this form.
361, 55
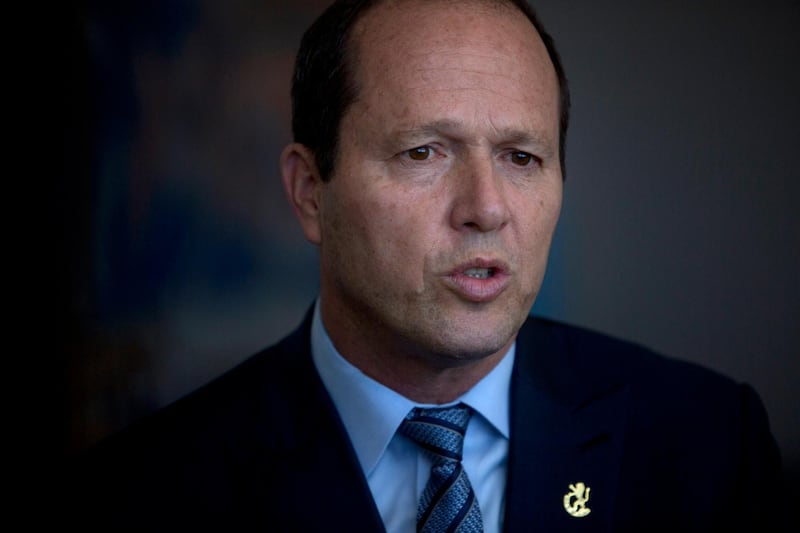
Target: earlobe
301, 181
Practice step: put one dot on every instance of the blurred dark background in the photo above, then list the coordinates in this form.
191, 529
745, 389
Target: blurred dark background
175, 255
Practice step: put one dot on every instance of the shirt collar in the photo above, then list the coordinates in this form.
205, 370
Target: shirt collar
372, 412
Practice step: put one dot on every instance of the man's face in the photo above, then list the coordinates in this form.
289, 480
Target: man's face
436, 224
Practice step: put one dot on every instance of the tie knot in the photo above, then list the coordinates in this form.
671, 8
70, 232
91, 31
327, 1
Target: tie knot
438, 430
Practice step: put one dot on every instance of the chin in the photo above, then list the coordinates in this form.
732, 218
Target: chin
466, 346
458, 336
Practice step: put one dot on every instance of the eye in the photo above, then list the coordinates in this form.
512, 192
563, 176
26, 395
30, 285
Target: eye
521, 158
420, 153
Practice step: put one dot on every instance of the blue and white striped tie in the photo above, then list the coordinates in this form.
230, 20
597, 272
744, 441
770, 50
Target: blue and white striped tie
448, 503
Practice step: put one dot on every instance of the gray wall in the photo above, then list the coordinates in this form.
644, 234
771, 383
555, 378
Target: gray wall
680, 227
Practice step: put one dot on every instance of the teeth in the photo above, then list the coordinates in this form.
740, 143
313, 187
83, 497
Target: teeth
478, 273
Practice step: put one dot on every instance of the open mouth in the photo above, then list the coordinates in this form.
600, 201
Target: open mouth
479, 273
480, 280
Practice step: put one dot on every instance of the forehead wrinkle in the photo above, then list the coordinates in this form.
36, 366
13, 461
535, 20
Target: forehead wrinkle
482, 52
469, 88
428, 73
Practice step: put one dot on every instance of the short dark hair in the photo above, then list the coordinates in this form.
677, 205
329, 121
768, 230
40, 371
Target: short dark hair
323, 86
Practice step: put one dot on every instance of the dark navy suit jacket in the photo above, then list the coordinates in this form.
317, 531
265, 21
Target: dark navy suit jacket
662, 445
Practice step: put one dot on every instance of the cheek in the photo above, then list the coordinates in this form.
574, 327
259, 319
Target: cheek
380, 229
540, 216
402, 238
399, 232
549, 203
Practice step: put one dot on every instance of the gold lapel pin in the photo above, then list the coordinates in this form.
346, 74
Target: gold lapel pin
575, 500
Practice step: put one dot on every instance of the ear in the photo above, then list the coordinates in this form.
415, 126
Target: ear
302, 183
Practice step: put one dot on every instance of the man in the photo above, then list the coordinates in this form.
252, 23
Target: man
428, 170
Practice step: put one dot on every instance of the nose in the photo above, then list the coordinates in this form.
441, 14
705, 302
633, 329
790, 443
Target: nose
479, 201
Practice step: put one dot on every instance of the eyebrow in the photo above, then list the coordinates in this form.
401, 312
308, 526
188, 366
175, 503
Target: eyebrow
454, 129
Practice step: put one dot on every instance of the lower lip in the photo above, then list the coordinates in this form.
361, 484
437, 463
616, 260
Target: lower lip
478, 289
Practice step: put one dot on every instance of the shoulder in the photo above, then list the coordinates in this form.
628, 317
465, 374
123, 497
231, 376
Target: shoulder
575, 353
238, 398
243, 403
670, 403
200, 451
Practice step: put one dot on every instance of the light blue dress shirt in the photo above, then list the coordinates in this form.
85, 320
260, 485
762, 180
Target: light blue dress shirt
395, 467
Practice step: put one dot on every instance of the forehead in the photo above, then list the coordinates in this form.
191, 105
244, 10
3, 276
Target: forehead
404, 48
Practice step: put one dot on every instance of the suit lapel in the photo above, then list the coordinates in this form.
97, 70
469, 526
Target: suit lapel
320, 484
566, 429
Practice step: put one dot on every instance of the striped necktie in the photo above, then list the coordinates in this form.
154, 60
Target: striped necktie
448, 503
